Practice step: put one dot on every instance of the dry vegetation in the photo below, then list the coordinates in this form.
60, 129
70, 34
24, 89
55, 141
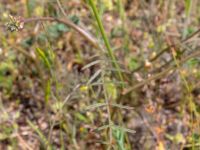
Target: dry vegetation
99, 74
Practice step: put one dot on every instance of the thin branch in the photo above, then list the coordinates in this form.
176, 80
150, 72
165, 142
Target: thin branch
23, 143
167, 49
161, 74
82, 32
105, 38
61, 8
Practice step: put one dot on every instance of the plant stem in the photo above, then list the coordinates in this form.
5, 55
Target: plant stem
107, 101
167, 49
160, 74
107, 44
85, 34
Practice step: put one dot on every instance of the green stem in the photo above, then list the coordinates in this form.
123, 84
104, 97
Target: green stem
107, 44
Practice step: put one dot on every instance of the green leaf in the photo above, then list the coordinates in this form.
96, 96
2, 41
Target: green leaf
44, 58
26, 43
54, 31
119, 136
30, 5
81, 117
196, 137
193, 62
6, 79
41, 135
133, 63
187, 6
179, 138
62, 28
188, 31
47, 91
111, 89
57, 106
75, 19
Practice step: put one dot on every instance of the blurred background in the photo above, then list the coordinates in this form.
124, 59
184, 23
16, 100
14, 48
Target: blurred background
63, 87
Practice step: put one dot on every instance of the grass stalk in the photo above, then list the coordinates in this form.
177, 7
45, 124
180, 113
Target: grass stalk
188, 88
161, 74
68, 23
107, 101
105, 39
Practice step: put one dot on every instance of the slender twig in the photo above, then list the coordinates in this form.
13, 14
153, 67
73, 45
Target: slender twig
188, 88
23, 142
161, 74
185, 48
167, 49
82, 32
61, 8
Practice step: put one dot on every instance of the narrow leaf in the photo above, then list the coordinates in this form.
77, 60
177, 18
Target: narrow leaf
95, 106
43, 57
91, 64
122, 106
41, 135
94, 76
